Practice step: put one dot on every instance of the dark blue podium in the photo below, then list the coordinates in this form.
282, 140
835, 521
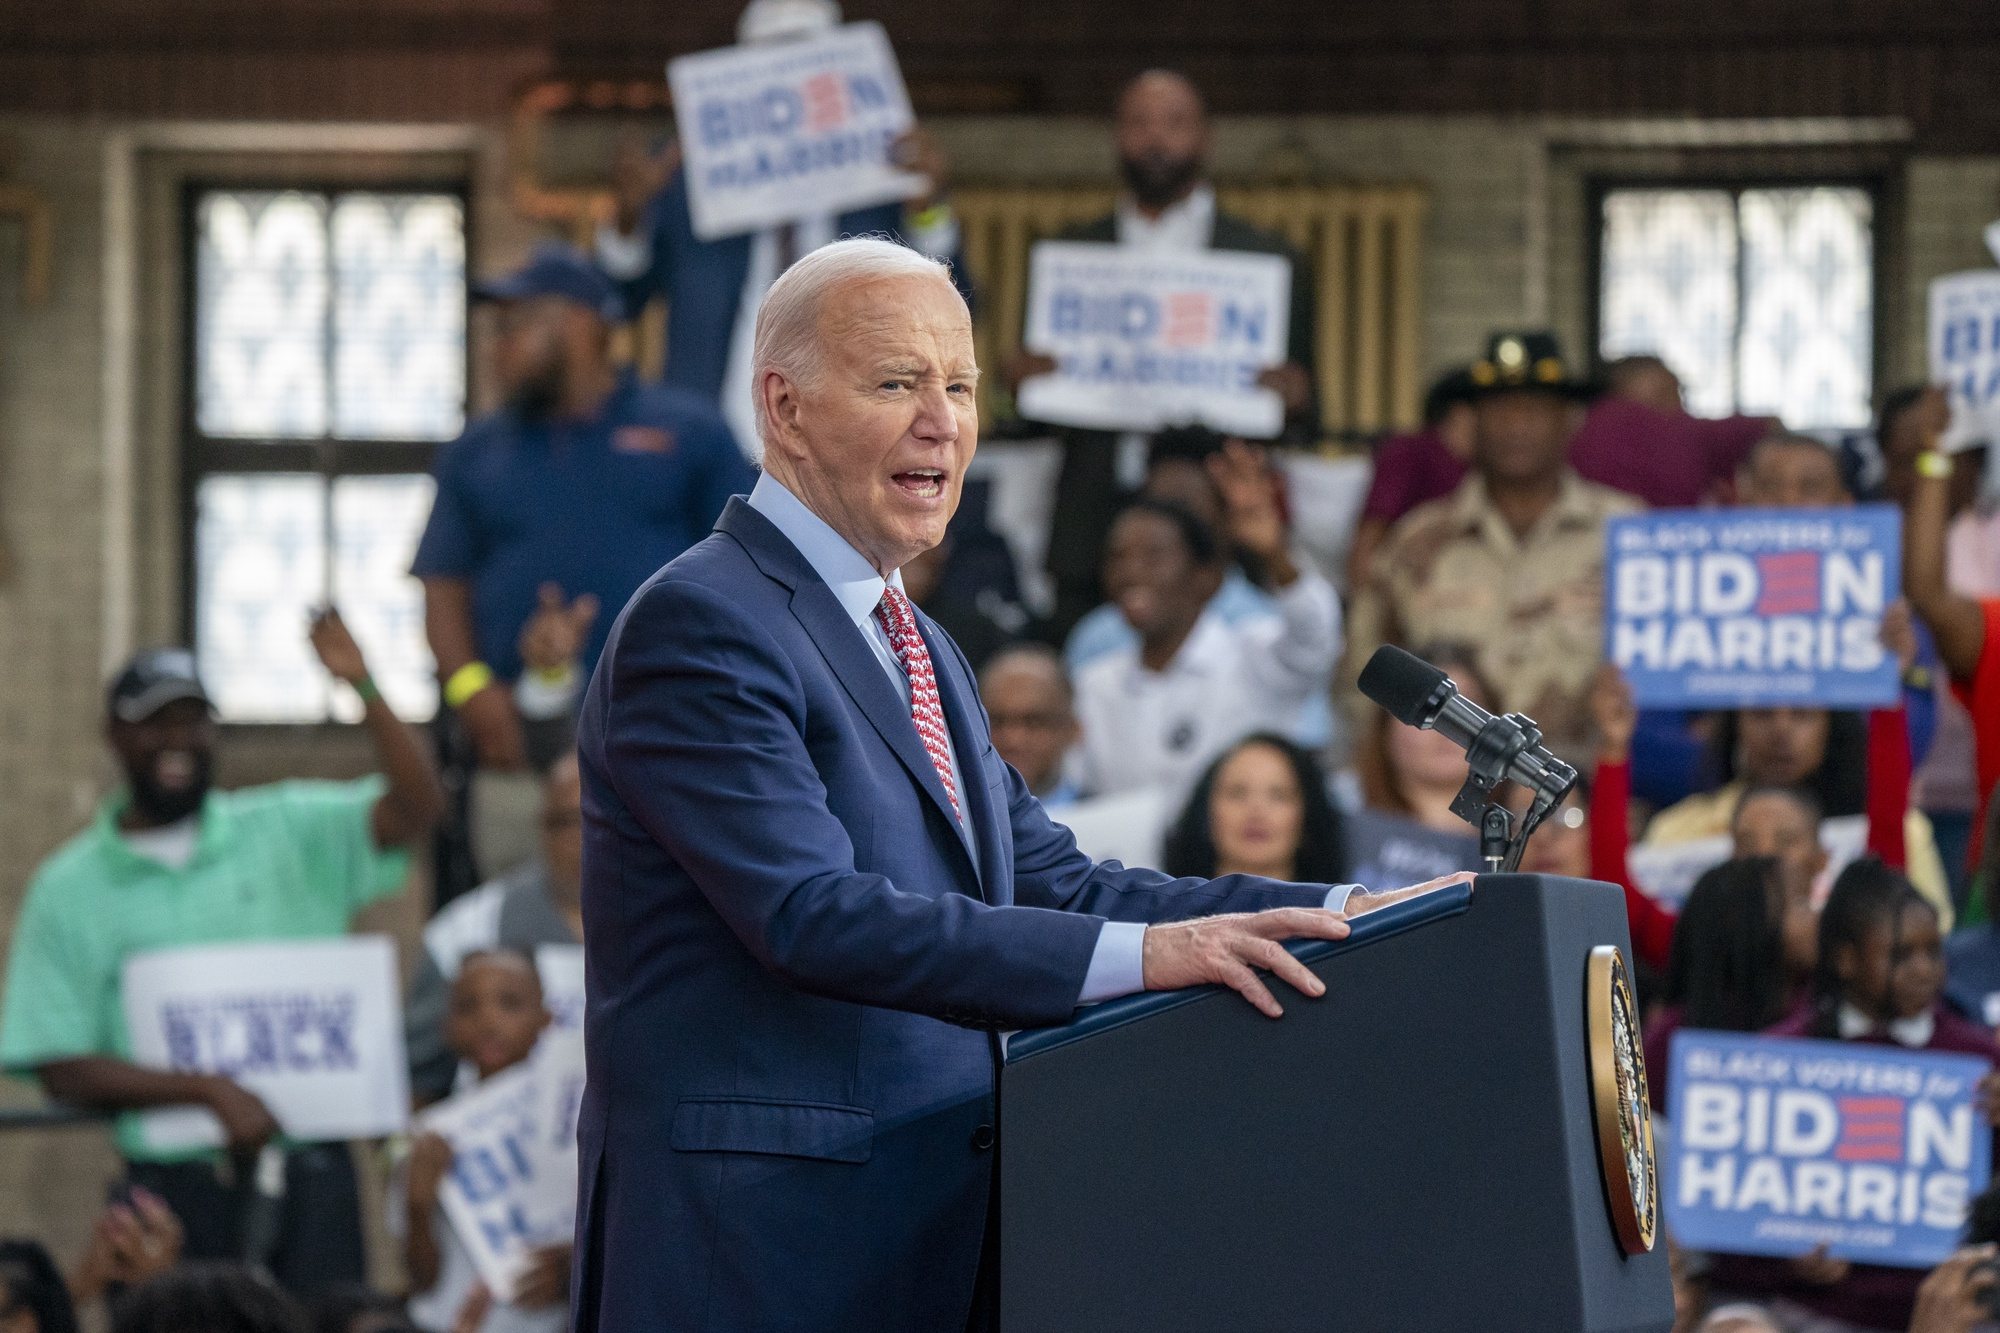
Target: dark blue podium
1421, 1149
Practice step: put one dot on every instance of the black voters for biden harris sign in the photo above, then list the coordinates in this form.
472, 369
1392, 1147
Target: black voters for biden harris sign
1783, 1145
1723, 608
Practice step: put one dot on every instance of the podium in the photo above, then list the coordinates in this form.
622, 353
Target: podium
1423, 1148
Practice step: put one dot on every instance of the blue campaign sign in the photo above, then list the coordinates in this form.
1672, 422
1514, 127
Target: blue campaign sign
1730, 608
1782, 1145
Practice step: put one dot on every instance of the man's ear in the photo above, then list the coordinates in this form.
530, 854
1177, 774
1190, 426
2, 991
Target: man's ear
779, 409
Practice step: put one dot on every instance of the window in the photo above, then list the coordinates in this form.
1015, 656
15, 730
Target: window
1763, 300
328, 362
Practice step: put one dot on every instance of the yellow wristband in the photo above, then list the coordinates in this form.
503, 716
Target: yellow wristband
465, 682
1935, 465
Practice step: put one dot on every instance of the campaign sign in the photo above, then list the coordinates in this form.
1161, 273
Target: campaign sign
313, 1027
1965, 352
1781, 1146
773, 133
1143, 341
1733, 608
512, 1185
1388, 852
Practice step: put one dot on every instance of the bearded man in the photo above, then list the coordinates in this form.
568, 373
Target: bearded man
1167, 206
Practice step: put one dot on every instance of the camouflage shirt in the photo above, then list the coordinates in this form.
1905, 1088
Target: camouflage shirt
1530, 606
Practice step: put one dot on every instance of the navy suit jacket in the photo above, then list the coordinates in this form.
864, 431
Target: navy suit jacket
703, 282
795, 966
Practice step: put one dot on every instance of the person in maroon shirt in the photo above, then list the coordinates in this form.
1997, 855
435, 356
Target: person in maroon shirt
1880, 980
1411, 469
1640, 439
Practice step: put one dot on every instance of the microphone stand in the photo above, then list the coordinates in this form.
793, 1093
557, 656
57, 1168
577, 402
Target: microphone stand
1487, 760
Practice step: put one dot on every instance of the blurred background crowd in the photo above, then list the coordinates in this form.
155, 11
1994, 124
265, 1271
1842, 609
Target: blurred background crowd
356, 368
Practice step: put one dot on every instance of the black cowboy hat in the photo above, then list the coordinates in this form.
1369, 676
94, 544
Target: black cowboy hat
1530, 360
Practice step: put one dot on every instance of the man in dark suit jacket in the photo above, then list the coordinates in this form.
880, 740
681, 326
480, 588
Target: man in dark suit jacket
813, 891
1162, 140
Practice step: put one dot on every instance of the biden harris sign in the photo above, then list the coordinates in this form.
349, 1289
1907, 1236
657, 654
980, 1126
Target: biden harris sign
1739, 607
1143, 341
1781, 1146
775, 133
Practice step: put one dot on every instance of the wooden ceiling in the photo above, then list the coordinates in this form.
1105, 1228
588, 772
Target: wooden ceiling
1931, 62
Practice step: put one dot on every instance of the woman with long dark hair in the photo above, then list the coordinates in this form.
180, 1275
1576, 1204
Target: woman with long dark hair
1260, 809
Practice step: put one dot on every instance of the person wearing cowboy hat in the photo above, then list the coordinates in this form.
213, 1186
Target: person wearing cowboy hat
1512, 562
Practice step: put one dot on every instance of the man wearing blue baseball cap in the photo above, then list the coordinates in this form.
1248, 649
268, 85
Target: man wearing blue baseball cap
553, 510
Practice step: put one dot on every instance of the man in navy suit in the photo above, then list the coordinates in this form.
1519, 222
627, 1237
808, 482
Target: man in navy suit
712, 286
812, 890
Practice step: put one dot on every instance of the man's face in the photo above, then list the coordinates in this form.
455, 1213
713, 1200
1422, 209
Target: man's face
495, 1013
1033, 723
1787, 476
1774, 825
1781, 747
538, 340
1655, 386
1522, 435
878, 443
168, 759
1162, 138
1152, 577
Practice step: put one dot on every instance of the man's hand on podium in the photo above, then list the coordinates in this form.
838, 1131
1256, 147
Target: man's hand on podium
1228, 950
1361, 901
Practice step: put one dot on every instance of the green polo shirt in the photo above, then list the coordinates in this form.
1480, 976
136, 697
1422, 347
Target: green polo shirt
289, 861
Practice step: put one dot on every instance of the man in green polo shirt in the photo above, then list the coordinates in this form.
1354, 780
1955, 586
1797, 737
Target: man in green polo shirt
169, 862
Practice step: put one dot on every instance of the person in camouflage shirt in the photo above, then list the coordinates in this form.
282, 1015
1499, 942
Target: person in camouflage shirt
1512, 562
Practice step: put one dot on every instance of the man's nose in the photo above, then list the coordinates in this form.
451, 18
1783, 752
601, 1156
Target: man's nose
935, 419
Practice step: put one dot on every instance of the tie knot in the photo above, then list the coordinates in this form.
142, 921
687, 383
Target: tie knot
894, 608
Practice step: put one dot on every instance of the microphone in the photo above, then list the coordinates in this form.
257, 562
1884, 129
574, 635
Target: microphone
1507, 748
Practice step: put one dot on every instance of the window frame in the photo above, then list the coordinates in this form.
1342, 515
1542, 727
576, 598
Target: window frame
1884, 204
328, 457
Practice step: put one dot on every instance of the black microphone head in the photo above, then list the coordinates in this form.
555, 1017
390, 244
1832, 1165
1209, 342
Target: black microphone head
1401, 682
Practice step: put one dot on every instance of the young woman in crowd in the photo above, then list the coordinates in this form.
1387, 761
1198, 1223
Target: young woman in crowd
1847, 764
1260, 809
1413, 773
1743, 951
1879, 980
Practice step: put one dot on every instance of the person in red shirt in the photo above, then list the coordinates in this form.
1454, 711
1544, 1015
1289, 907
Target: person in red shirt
1967, 631
1640, 439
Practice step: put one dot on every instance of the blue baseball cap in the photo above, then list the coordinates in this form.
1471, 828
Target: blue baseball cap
555, 270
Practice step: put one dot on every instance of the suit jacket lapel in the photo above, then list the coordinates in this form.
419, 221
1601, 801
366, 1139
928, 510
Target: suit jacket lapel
853, 663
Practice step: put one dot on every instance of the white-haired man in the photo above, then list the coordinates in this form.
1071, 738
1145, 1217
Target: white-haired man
812, 891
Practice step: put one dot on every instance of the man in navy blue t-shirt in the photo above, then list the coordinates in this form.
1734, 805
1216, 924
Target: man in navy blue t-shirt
555, 509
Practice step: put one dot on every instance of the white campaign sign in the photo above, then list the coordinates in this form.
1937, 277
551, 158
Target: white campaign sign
773, 133
1142, 340
313, 1027
512, 1185
1964, 348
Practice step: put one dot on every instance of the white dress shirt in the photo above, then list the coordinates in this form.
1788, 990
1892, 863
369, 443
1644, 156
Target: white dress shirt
1146, 728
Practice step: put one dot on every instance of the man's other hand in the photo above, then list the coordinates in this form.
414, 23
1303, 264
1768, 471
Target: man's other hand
1362, 901
1228, 950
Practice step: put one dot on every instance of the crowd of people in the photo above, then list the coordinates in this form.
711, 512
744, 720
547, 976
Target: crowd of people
1185, 698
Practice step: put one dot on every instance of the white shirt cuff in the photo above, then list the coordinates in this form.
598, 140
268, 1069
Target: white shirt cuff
1336, 897
623, 257
1118, 966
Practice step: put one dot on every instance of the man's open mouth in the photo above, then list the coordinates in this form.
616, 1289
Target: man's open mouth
924, 482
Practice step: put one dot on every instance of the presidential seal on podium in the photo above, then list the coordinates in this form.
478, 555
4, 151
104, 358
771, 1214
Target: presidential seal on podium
1619, 1103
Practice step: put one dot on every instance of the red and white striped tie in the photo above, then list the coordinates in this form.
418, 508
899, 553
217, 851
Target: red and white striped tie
899, 621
